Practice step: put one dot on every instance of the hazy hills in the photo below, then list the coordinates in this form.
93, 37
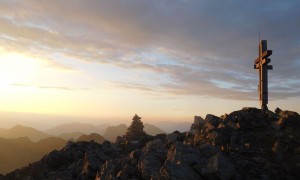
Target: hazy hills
16, 153
72, 131
152, 130
71, 136
21, 145
23, 131
77, 127
113, 132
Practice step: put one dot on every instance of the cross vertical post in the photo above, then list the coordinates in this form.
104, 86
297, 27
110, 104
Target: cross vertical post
261, 63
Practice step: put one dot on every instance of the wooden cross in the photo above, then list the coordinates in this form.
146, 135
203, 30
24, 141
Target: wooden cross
261, 63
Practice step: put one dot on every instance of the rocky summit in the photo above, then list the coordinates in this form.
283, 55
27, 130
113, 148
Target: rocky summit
245, 144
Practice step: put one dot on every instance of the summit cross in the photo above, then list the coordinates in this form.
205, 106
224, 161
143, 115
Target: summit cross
261, 64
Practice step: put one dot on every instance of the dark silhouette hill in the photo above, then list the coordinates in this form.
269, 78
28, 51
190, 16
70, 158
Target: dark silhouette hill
23, 131
19, 152
91, 137
244, 144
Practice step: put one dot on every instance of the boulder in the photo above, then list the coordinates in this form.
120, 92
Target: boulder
151, 159
171, 138
117, 169
197, 125
180, 153
279, 124
219, 167
178, 172
212, 119
121, 140
278, 111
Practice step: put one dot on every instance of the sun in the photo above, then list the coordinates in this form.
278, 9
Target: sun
17, 68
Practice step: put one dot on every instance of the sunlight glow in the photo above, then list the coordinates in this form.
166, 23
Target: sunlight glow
17, 69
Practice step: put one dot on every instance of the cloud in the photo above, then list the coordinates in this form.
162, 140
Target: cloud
204, 48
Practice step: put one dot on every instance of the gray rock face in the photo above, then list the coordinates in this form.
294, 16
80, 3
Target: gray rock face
178, 172
244, 144
152, 158
171, 138
198, 124
219, 167
212, 120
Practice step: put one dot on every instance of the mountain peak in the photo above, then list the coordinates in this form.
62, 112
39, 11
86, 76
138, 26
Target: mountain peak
23, 131
19, 126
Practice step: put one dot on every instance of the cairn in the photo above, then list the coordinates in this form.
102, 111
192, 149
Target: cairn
136, 132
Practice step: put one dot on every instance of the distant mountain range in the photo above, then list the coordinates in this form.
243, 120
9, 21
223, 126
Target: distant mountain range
113, 132
21, 145
73, 131
18, 152
152, 130
77, 127
23, 131
70, 136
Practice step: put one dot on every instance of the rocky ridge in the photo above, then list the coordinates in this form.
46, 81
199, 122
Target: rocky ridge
244, 144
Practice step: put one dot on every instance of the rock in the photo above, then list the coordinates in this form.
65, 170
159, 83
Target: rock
219, 167
151, 159
117, 169
208, 150
197, 125
160, 136
155, 146
121, 140
91, 163
131, 146
199, 121
278, 111
171, 138
213, 120
279, 124
128, 172
106, 146
251, 110
180, 153
178, 172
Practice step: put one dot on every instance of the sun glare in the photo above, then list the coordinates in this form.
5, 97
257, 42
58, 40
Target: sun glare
17, 69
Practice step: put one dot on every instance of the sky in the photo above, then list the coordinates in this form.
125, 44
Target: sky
160, 59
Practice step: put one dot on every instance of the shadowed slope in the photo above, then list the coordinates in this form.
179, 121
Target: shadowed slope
16, 153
